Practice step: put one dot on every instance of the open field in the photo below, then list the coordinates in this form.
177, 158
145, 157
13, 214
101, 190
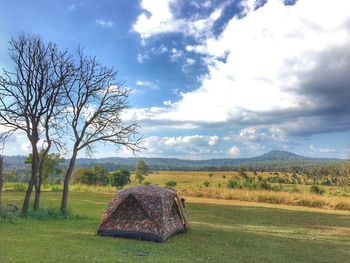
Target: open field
190, 184
221, 231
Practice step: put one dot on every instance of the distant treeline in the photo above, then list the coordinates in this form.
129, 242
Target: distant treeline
278, 161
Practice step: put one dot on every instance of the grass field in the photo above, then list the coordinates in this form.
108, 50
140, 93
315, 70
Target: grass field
221, 231
190, 183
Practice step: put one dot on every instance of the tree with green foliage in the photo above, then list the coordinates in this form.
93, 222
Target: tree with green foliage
9, 175
51, 166
97, 175
100, 175
120, 178
141, 171
48, 165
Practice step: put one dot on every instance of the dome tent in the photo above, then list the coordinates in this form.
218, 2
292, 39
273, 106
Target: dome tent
144, 212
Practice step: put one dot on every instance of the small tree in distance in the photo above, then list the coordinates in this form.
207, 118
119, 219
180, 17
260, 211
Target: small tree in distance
170, 183
141, 170
120, 178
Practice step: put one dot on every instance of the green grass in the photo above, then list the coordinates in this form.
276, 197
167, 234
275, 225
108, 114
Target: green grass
235, 232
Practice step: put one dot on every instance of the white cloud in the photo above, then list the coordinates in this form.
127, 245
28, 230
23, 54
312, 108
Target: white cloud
141, 57
192, 146
234, 151
190, 61
147, 84
25, 147
270, 53
316, 149
159, 17
104, 23
175, 54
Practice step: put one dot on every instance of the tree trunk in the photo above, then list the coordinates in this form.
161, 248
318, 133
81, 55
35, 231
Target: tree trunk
32, 179
1, 176
38, 190
40, 179
67, 180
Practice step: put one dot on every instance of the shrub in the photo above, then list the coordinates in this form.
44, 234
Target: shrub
170, 183
8, 215
20, 187
206, 183
147, 183
233, 184
316, 190
52, 213
56, 188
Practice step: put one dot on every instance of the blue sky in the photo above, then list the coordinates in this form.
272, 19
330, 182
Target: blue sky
211, 79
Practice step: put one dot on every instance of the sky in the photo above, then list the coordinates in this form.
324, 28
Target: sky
210, 79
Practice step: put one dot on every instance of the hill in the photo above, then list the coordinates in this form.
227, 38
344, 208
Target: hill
271, 161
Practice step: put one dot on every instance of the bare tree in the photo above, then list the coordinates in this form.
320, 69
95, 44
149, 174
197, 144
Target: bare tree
29, 95
2, 145
96, 102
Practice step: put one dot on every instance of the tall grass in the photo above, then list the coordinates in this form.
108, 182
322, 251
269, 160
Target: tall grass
187, 185
288, 198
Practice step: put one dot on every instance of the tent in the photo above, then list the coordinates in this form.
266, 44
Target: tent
146, 212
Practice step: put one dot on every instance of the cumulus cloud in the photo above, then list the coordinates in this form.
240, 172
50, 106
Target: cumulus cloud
160, 17
234, 151
277, 65
192, 146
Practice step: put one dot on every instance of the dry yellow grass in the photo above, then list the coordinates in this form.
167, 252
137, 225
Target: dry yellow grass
296, 199
190, 183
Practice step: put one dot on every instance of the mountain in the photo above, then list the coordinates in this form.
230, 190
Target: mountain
271, 161
279, 155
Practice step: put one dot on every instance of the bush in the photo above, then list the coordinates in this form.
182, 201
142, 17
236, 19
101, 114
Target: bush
206, 183
170, 183
316, 190
8, 216
147, 183
233, 184
20, 187
52, 213
56, 188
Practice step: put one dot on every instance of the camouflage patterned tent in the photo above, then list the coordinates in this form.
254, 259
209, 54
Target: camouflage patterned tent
144, 212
